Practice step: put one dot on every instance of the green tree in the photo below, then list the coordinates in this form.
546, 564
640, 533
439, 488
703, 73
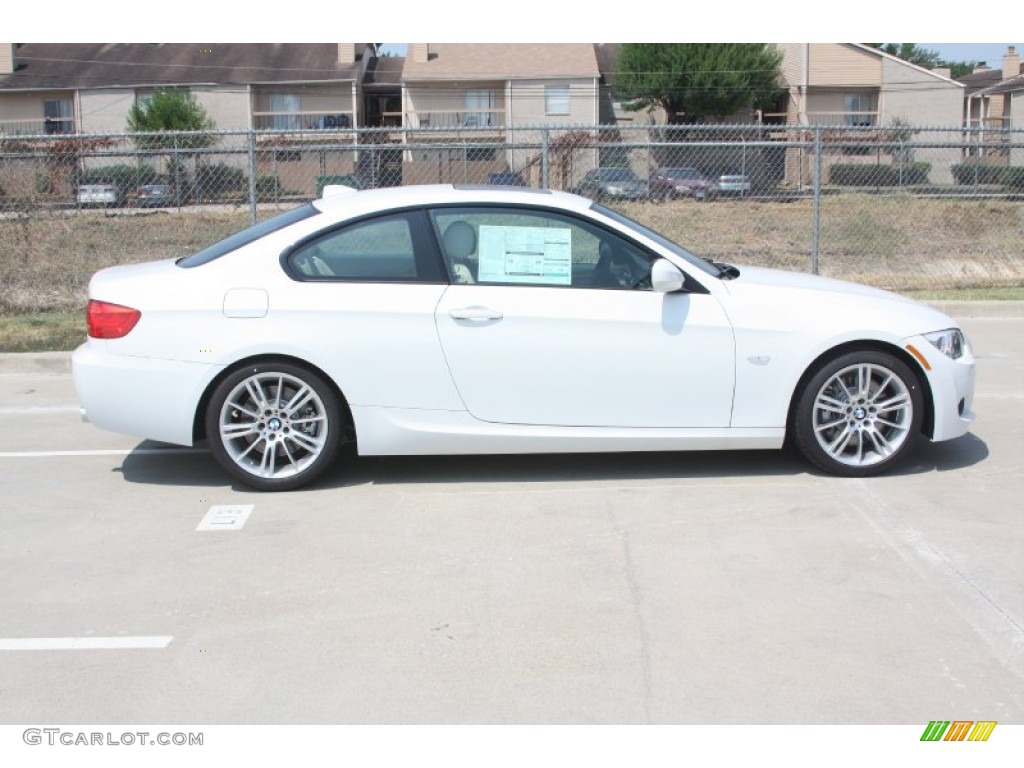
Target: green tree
912, 52
695, 81
926, 57
170, 111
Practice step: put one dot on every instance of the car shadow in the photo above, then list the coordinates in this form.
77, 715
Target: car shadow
148, 465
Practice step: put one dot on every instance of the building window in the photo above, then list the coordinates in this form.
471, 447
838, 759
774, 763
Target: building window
58, 116
479, 108
556, 99
858, 110
281, 105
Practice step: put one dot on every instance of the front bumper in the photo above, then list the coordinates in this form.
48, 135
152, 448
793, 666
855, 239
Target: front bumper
952, 385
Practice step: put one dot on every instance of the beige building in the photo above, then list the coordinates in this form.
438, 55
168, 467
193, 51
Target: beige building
478, 92
852, 86
994, 103
54, 88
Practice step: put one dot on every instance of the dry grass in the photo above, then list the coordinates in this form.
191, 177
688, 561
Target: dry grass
46, 261
903, 243
896, 242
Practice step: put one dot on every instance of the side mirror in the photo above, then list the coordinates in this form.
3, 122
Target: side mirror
666, 277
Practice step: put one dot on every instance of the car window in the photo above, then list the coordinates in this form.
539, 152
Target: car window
250, 235
376, 250
518, 246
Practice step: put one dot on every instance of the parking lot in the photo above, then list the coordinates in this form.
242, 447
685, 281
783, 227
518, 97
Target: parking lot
631, 588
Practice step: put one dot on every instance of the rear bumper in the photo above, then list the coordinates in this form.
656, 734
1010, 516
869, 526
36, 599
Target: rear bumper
140, 396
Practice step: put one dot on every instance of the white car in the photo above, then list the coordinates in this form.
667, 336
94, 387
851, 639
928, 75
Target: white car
99, 194
451, 320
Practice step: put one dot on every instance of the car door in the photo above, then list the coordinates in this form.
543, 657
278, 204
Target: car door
362, 305
542, 329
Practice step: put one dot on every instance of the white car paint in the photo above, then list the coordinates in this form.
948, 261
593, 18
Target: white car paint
438, 368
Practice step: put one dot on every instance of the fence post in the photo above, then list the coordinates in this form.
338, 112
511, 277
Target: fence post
816, 232
252, 176
544, 181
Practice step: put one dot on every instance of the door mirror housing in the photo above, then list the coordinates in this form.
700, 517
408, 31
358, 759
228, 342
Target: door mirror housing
666, 277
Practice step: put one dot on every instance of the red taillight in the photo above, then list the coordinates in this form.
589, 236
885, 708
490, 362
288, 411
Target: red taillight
110, 321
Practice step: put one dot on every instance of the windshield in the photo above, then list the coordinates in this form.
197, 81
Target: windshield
617, 174
246, 236
664, 242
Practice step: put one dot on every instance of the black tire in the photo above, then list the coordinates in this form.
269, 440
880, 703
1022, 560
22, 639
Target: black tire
859, 414
286, 442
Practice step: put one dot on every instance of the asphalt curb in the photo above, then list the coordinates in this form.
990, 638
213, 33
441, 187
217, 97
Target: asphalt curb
55, 363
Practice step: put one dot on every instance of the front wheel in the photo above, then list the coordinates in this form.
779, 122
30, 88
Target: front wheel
274, 426
859, 414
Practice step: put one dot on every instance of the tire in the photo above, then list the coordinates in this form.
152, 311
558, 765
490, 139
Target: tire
859, 414
274, 426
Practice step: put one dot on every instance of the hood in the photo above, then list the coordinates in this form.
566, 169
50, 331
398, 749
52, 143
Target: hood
800, 280
799, 299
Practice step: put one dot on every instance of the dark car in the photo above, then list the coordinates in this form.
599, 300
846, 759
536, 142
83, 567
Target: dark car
667, 183
506, 179
612, 184
156, 196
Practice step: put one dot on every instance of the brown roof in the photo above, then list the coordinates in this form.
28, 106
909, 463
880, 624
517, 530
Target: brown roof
607, 54
503, 61
384, 73
979, 80
1006, 86
104, 65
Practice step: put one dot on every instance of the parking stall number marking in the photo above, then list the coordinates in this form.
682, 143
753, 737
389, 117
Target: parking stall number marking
225, 517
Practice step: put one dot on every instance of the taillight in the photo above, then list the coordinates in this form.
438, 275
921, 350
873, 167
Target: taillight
110, 321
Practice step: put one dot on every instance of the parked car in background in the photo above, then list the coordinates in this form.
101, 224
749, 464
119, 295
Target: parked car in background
612, 184
734, 184
99, 194
156, 196
506, 179
666, 183
495, 320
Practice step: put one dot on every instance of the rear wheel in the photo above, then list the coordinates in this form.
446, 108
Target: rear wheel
274, 426
859, 414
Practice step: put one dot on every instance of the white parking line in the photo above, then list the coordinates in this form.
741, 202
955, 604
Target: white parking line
104, 452
82, 643
13, 410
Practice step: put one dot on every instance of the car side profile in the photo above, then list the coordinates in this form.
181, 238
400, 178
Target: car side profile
496, 320
668, 183
612, 184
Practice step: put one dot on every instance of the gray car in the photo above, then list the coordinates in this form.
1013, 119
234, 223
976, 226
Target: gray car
612, 184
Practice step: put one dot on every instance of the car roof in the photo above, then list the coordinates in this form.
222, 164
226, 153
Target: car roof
358, 202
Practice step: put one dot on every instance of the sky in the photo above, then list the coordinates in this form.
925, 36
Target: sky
990, 53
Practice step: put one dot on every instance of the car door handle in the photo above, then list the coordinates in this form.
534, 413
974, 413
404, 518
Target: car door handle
475, 313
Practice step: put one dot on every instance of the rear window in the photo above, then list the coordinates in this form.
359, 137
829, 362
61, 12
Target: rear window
246, 236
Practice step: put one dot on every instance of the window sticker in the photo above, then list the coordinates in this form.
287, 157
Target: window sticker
532, 255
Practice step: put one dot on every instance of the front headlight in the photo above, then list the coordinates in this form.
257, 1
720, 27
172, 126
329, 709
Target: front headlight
951, 342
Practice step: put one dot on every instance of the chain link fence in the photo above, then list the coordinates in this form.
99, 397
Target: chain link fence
901, 207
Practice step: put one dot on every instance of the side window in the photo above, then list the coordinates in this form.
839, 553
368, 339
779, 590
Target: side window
379, 250
503, 246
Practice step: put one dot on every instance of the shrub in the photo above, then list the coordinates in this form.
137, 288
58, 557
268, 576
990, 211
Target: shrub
125, 176
976, 173
216, 180
856, 175
268, 188
1013, 177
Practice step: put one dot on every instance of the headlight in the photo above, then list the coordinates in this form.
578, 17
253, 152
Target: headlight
951, 342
